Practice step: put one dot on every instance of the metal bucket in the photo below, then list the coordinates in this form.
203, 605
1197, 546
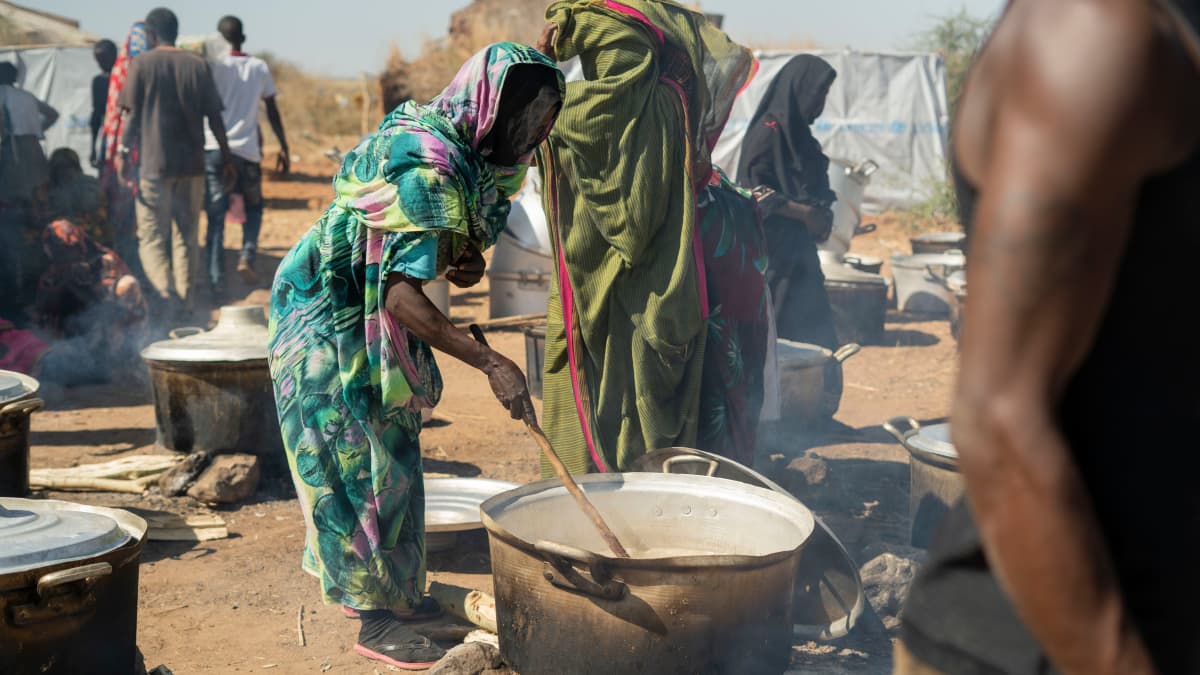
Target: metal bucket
535, 358
708, 590
848, 182
519, 279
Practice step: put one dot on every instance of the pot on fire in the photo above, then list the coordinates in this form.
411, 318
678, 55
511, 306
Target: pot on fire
17, 402
708, 588
212, 389
68, 587
810, 381
859, 302
935, 484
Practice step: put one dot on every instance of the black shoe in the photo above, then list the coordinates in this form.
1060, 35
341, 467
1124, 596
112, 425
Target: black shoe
383, 638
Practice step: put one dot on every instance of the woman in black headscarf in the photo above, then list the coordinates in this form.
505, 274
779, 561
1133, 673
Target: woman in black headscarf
785, 166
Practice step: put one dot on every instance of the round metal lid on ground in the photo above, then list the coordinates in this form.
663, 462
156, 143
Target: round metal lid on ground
240, 335
40, 533
452, 504
15, 386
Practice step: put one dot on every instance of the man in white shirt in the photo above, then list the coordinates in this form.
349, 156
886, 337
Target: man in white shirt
242, 81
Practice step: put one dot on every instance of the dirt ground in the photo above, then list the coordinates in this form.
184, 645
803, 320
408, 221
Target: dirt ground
231, 606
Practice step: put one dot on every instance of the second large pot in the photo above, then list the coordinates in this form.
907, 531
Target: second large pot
212, 390
919, 281
859, 302
708, 589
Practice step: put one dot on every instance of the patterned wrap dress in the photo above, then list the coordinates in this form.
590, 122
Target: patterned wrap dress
350, 381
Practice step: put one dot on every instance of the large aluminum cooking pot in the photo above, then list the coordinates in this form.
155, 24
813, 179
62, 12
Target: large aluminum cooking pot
956, 283
849, 182
938, 242
828, 597
68, 587
859, 302
810, 381
919, 287
212, 390
708, 588
17, 402
535, 359
935, 484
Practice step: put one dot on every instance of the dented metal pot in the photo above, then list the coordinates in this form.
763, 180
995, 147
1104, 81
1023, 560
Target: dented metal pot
708, 588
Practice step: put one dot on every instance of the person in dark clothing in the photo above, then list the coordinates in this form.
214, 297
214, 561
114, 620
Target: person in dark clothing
169, 95
1075, 550
105, 52
786, 168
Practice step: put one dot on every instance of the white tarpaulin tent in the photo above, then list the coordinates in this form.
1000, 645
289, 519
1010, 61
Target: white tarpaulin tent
888, 107
62, 77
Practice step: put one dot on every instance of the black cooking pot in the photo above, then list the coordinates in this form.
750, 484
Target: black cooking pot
212, 389
68, 587
17, 403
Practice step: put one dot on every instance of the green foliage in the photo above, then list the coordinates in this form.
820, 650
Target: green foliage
958, 38
939, 211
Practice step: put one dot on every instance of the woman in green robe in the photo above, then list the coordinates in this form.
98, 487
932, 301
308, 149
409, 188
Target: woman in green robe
352, 333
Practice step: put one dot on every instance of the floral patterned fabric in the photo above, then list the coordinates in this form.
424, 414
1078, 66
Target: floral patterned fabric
350, 382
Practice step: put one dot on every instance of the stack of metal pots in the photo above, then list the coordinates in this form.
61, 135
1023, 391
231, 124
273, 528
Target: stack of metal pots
18, 400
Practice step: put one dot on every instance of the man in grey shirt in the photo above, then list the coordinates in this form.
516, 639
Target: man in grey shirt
167, 97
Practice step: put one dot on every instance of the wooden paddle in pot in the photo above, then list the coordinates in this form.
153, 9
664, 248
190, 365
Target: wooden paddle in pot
563, 474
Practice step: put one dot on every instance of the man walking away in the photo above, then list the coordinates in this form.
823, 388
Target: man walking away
1078, 553
242, 81
168, 95
105, 52
24, 120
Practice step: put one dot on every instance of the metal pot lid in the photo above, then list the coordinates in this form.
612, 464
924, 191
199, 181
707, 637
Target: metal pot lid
240, 335
957, 282
845, 274
37, 533
452, 504
829, 597
941, 237
935, 440
15, 386
800, 354
922, 260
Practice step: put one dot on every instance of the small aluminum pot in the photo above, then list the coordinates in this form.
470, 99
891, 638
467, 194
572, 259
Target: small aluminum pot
708, 588
863, 263
810, 382
935, 483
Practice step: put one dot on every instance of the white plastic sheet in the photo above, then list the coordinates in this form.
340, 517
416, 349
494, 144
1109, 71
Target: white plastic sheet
62, 77
888, 107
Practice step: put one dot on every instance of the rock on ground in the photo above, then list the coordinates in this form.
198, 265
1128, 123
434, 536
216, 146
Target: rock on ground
227, 480
886, 580
469, 659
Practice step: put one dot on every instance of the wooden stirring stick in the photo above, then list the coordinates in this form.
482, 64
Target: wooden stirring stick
563, 474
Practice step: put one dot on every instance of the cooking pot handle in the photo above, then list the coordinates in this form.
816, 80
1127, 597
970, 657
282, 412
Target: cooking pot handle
70, 576
893, 425
689, 459
846, 352
184, 331
562, 573
22, 407
865, 229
